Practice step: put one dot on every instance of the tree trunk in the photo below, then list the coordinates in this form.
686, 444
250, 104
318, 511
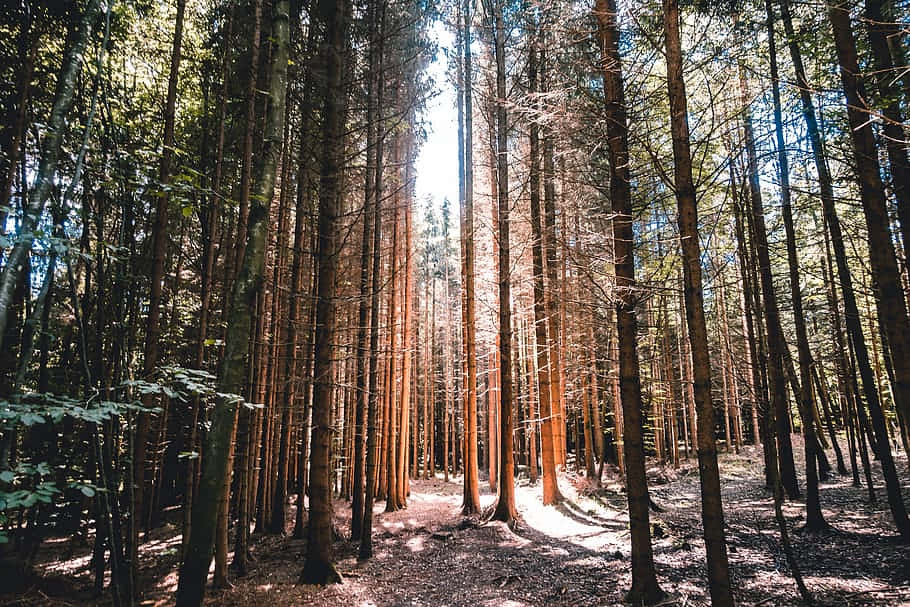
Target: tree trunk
505, 505
890, 304
687, 209
551, 492
195, 565
372, 430
644, 578
366, 260
471, 501
815, 521
319, 567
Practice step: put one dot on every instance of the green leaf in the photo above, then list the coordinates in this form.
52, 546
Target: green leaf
87, 491
7, 476
30, 419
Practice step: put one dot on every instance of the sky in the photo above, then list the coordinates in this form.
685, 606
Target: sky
437, 162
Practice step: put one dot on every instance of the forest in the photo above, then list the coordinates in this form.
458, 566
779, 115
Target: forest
469, 302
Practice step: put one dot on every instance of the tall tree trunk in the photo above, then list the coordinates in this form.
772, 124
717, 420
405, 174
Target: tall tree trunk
153, 324
890, 304
372, 430
711, 506
198, 556
505, 505
471, 501
366, 260
815, 521
319, 565
645, 588
551, 492
554, 328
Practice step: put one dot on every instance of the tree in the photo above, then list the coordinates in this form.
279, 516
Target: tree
195, 566
153, 325
687, 209
471, 504
319, 565
548, 462
645, 588
505, 504
889, 298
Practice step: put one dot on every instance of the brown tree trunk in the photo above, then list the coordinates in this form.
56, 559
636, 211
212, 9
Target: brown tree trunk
319, 567
815, 521
377, 8
890, 304
471, 501
505, 505
551, 492
644, 578
711, 505
153, 324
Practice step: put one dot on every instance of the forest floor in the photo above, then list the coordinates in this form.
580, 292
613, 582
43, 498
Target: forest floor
575, 553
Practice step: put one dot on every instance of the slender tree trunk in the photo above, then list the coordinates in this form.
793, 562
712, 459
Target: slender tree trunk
505, 505
890, 304
471, 501
554, 329
319, 565
815, 521
366, 260
372, 421
153, 324
195, 565
551, 492
645, 588
687, 209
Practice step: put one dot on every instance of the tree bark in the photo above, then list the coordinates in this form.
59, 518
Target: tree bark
471, 501
687, 210
551, 492
644, 588
319, 567
198, 556
505, 505
890, 304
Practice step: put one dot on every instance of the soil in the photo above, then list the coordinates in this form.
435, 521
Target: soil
574, 554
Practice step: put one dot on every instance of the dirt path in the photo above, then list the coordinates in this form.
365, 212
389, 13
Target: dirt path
577, 553
573, 554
